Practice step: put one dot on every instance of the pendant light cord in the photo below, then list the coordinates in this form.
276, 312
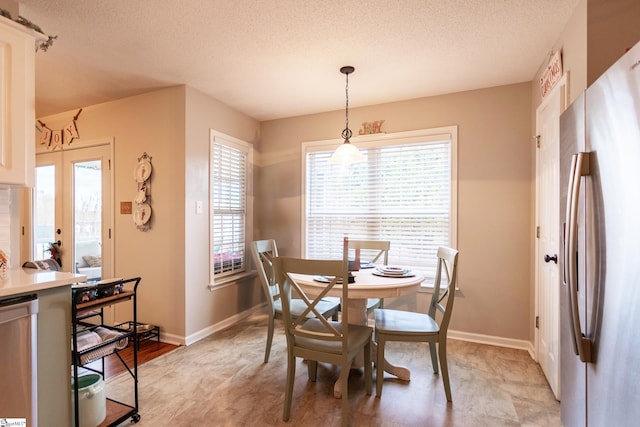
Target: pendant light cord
346, 133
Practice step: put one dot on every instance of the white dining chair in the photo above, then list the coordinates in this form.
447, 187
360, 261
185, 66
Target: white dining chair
399, 325
318, 339
263, 252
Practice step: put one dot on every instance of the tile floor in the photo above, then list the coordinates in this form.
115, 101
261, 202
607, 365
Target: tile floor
222, 381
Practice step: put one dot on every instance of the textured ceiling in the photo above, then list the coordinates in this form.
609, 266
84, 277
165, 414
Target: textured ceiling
280, 58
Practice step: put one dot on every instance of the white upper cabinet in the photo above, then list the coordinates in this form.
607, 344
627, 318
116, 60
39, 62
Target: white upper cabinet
17, 104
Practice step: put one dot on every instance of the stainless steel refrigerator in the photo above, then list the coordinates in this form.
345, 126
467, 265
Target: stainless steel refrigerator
600, 295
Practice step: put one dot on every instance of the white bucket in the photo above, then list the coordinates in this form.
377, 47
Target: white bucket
93, 403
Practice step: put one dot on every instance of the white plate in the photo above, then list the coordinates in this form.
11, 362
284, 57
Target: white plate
142, 214
397, 276
392, 269
143, 170
328, 279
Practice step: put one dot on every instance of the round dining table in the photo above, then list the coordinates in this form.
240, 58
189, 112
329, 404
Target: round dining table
367, 285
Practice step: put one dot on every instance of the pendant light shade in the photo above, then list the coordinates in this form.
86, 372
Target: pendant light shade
347, 153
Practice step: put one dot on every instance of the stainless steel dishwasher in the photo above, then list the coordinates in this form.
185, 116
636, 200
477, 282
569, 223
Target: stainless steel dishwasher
18, 358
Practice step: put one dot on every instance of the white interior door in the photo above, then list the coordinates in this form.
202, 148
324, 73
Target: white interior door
72, 207
548, 232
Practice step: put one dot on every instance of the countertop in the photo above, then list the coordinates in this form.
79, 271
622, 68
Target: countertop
25, 280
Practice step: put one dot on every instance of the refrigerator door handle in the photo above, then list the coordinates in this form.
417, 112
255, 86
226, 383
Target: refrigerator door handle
579, 168
567, 250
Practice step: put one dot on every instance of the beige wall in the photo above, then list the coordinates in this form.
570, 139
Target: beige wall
573, 44
152, 123
494, 179
205, 308
613, 28
598, 33
172, 257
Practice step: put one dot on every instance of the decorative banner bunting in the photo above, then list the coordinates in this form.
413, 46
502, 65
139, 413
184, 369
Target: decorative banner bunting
54, 138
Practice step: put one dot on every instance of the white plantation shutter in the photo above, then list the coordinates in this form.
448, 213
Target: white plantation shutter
229, 163
401, 193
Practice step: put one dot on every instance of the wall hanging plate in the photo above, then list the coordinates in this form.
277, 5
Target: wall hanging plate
142, 214
143, 170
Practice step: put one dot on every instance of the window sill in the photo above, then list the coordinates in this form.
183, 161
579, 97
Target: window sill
426, 288
231, 280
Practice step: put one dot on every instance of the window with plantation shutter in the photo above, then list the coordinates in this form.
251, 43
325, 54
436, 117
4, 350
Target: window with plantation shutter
404, 192
229, 172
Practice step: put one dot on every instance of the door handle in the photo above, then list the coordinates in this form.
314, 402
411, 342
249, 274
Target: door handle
579, 168
548, 258
567, 250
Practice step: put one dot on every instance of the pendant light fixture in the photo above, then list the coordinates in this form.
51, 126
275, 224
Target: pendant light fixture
347, 153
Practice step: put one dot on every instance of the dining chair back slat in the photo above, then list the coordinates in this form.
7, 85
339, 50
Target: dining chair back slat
379, 251
332, 270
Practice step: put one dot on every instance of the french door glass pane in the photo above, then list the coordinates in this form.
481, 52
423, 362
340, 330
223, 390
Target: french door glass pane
87, 210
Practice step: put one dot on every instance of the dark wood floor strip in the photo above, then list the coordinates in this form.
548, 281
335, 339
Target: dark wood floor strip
149, 350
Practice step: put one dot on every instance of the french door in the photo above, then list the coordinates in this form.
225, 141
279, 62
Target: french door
72, 210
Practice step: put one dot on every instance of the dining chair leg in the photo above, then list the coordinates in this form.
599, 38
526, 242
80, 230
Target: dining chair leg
270, 327
380, 365
288, 394
442, 349
367, 368
312, 370
345, 398
434, 356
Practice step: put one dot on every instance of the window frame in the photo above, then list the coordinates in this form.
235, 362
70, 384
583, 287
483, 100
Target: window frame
449, 133
227, 278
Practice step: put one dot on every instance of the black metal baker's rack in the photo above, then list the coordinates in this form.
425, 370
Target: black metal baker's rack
89, 301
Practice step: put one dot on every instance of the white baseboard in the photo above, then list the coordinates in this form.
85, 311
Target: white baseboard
453, 334
492, 340
171, 339
203, 333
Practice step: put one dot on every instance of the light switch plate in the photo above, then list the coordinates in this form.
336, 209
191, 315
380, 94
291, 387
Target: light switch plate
199, 208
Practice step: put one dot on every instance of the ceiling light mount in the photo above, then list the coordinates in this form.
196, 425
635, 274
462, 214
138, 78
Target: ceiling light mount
347, 69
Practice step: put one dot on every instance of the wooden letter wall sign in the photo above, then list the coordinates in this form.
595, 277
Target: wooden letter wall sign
371, 127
